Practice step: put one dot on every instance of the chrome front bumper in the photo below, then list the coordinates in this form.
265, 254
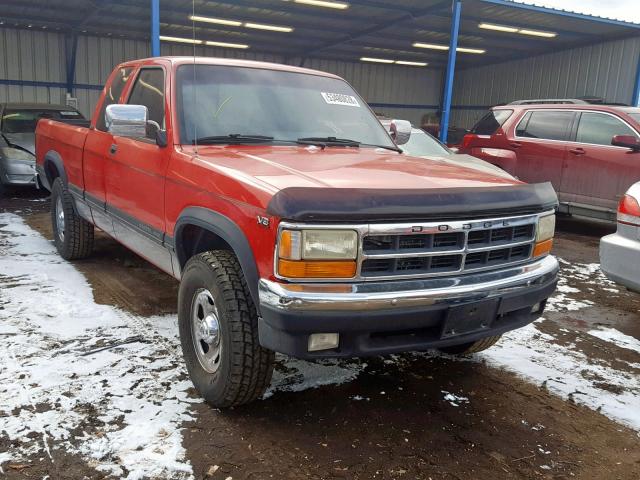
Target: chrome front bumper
375, 296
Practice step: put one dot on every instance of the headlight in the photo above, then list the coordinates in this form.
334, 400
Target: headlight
15, 154
546, 228
544, 235
317, 253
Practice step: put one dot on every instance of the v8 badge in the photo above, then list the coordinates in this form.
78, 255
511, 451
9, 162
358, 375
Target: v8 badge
264, 221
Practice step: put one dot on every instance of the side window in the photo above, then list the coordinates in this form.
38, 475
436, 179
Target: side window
599, 129
149, 91
113, 94
491, 122
545, 124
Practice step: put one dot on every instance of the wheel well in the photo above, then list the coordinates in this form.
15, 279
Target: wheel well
51, 171
193, 239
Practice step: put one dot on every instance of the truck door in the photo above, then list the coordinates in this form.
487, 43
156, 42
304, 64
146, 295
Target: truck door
540, 144
597, 173
136, 173
96, 150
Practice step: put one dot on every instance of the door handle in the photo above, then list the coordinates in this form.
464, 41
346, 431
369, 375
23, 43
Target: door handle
515, 144
577, 151
113, 149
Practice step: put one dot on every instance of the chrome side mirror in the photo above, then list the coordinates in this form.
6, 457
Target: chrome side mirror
400, 131
126, 120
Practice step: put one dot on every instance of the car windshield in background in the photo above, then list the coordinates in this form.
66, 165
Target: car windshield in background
422, 144
491, 122
25, 121
216, 101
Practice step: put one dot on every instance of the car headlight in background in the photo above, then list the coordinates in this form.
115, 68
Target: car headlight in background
15, 154
544, 235
317, 253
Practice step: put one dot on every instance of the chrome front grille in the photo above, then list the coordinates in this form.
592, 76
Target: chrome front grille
403, 250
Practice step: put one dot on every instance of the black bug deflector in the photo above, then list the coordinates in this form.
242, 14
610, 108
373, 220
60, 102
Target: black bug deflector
354, 204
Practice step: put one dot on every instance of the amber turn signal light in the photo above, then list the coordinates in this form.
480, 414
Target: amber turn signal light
543, 248
316, 269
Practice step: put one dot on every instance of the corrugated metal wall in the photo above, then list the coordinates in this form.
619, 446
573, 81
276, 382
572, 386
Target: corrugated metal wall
31, 56
606, 70
39, 56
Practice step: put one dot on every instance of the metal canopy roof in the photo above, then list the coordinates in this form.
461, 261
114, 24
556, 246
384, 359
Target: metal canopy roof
384, 29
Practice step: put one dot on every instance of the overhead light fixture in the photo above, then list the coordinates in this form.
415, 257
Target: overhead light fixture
225, 44
471, 50
397, 62
499, 28
537, 33
324, 3
522, 31
219, 21
180, 39
237, 23
432, 46
273, 28
411, 64
435, 46
376, 60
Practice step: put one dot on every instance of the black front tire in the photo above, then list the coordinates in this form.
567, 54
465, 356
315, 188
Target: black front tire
242, 369
472, 347
73, 235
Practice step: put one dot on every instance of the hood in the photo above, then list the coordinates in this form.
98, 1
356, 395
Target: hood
279, 167
25, 141
469, 161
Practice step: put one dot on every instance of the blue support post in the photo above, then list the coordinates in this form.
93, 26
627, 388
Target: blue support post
155, 28
71, 49
636, 90
451, 68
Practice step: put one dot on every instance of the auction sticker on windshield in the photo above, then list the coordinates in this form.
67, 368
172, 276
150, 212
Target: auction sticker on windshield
340, 99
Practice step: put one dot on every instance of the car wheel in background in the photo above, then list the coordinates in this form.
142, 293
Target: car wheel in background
72, 234
472, 347
218, 324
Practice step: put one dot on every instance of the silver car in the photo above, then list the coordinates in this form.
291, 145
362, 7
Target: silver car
17, 138
620, 251
422, 144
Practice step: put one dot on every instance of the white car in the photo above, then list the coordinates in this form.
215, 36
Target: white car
422, 144
620, 251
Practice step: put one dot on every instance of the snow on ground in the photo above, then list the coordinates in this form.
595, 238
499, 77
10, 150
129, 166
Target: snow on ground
617, 338
121, 408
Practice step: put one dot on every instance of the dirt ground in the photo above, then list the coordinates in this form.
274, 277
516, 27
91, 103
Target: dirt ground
390, 422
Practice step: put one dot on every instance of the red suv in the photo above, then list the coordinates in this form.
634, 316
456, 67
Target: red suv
590, 153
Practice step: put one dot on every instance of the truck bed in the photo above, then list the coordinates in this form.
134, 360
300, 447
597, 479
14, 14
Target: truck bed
64, 140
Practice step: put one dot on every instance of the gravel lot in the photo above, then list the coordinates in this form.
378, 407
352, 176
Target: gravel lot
92, 383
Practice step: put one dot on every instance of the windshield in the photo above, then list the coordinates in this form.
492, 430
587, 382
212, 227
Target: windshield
422, 144
24, 121
287, 106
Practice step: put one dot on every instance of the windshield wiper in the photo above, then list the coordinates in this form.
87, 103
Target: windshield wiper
232, 138
346, 142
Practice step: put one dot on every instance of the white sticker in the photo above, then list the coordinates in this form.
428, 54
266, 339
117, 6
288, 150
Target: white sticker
66, 114
340, 99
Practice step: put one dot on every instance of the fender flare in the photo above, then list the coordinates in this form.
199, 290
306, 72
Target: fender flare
230, 232
53, 157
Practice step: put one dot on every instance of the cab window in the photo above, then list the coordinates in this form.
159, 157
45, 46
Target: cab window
149, 91
113, 94
544, 124
599, 128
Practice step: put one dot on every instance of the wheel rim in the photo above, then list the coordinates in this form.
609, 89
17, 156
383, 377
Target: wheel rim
205, 330
60, 219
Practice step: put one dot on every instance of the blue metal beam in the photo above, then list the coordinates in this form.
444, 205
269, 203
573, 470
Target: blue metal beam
71, 48
635, 101
155, 28
451, 68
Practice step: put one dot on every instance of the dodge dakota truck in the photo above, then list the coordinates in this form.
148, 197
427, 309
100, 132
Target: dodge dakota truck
292, 219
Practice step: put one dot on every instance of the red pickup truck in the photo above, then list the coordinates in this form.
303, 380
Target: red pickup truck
292, 220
